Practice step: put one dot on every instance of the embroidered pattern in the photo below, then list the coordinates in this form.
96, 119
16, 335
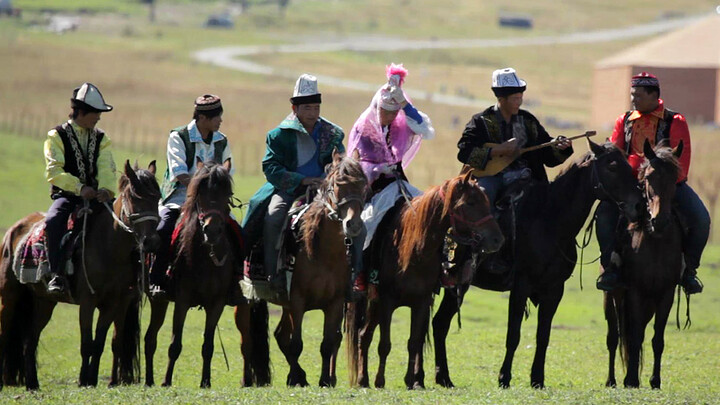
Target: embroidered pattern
78, 154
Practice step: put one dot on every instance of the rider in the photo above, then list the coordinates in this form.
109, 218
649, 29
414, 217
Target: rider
651, 120
198, 141
387, 135
296, 154
79, 165
512, 128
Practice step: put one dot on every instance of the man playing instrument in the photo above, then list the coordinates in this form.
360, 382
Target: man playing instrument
500, 132
79, 166
651, 120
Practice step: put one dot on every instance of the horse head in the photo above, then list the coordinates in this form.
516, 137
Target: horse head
344, 191
613, 179
139, 195
658, 177
470, 216
208, 197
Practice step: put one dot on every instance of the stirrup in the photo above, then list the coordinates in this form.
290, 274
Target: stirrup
692, 285
607, 281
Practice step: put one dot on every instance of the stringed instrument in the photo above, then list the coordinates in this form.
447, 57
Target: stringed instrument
497, 163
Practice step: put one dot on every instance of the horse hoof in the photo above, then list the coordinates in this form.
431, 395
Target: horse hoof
611, 384
444, 382
205, 384
538, 385
417, 386
655, 383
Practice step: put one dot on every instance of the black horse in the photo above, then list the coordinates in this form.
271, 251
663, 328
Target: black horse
549, 218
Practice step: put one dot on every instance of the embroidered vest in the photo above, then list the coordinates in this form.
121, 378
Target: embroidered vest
168, 187
663, 128
79, 164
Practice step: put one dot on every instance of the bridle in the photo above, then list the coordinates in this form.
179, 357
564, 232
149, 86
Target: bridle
457, 218
202, 215
331, 202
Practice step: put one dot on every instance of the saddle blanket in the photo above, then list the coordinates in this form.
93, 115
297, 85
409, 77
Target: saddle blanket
381, 203
30, 263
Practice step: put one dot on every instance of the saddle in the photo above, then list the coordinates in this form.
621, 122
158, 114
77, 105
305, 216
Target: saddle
255, 283
31, 264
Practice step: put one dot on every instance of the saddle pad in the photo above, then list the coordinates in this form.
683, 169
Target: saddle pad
30, 263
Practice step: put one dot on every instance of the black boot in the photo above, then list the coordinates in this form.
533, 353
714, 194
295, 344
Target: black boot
609, 279
690, 283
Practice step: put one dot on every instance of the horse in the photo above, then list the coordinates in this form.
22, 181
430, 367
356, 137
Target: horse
106, 278
410, 271
322, 273
549, 218
651, 259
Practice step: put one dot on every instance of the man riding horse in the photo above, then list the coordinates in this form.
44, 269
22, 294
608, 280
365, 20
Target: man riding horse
500, 132
79, 166
296, 154
651, 120
198, 142
387, 135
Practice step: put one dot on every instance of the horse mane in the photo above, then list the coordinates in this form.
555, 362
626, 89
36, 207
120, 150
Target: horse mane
211, 178
414, 221
312, 219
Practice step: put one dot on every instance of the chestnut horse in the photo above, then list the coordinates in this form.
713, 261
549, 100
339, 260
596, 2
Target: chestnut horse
410, 271
651, 261
322, 274
549, 218
106, 277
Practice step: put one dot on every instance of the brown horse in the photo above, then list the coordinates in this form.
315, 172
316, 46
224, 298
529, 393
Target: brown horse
651, 259
549, 218
410, 271
322, 274
106, 278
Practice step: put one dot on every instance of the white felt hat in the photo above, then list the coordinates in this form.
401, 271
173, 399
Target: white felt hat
90, 96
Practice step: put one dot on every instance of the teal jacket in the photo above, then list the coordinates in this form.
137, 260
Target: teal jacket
280, 163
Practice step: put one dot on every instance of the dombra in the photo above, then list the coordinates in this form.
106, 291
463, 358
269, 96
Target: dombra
498, 163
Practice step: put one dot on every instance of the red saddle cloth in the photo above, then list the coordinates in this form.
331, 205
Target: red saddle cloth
34, 250
229, 222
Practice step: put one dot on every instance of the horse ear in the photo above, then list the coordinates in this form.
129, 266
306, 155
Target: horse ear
356, 154
678, 149
227, 164
467, 177
152, 168
336, 155
130, 173
648, 150
136, 166
595, 148
199, 163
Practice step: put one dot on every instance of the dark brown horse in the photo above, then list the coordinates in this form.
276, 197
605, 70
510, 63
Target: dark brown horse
321, 276
202, 270
106, 278
549, 218
651, 259
410, 271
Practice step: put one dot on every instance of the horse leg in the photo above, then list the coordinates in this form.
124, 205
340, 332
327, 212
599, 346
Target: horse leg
87, 311
385, 344
635, 330
658, 341
242, 323
212, 316
42, 312
420, 318
286, 335
175, 347
332, 336
117, 349
365, 337
516, 308
9, 374
158, 309
611, 306
105, 319
546, 311
441, 325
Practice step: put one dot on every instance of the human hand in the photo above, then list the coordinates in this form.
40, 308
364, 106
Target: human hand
87, 193
563, 143
103, 195
398, 95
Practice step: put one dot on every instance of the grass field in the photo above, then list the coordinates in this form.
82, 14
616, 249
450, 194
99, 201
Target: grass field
146, 71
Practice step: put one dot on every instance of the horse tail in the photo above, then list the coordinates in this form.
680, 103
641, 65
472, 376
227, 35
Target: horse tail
622, 330
129, 360
354, 320
260, 356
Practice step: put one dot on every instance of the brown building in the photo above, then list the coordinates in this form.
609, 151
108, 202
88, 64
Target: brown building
687, 63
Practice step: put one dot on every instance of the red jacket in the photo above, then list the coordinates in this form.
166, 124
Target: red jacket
645, 127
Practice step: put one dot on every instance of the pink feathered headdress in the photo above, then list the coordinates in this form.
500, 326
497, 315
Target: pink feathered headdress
394, 69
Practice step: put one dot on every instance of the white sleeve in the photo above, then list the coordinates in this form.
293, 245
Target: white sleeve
176, 156
425, 129
227, 154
